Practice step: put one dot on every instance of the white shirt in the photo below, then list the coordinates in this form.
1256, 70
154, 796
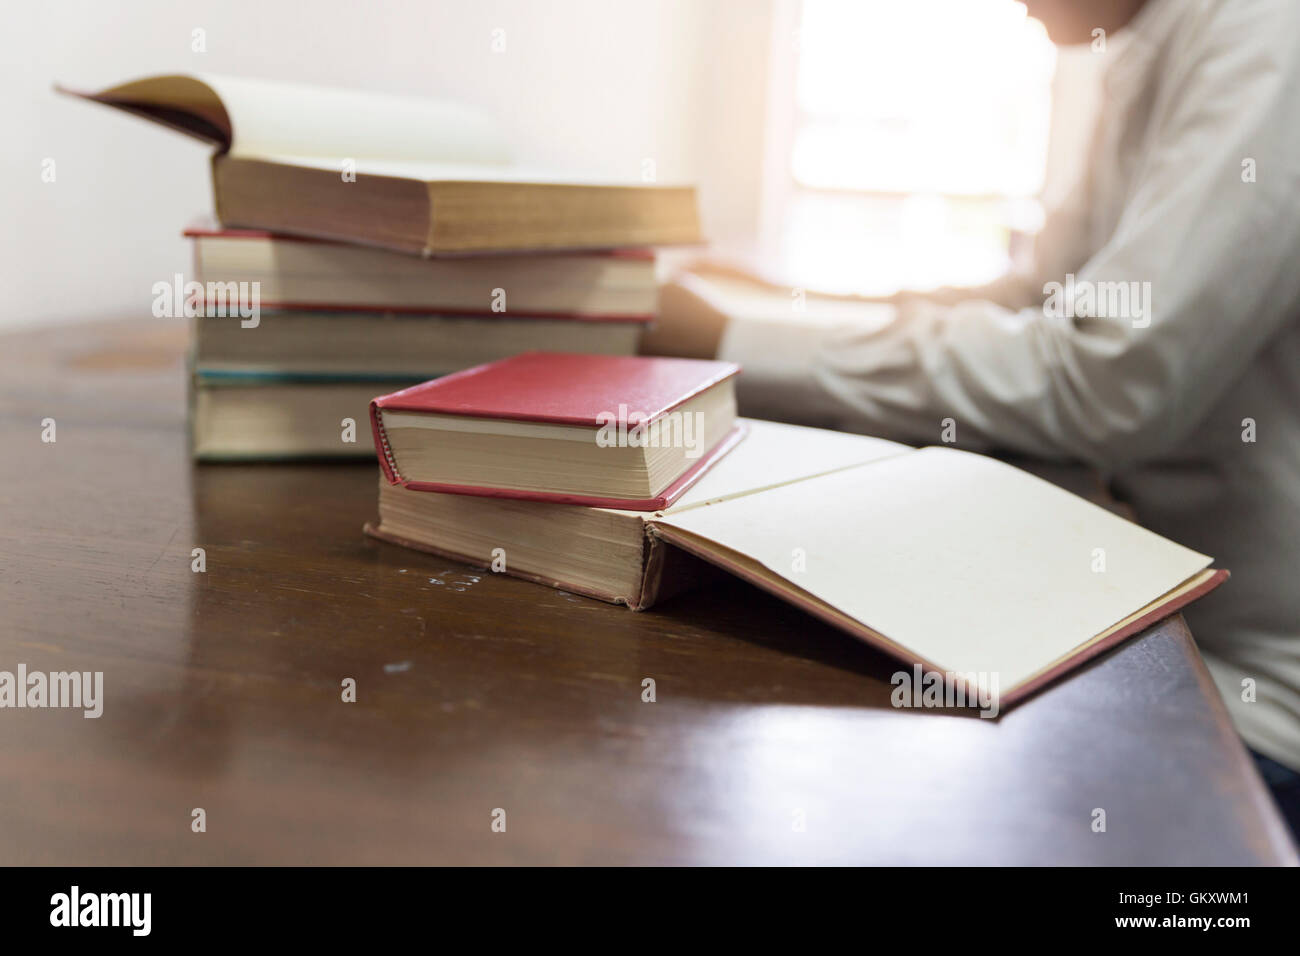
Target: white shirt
1202, 94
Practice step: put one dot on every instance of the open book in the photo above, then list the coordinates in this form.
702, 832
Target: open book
404, 173
943, 558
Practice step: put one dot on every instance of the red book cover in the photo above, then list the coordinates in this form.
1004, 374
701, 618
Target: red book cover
562, 388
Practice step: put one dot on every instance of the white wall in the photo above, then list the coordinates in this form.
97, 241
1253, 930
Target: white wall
588, 84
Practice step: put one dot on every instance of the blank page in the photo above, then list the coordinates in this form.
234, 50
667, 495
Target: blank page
776, 454
966, 562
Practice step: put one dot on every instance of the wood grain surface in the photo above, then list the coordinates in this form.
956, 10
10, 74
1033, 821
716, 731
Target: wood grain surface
477, 692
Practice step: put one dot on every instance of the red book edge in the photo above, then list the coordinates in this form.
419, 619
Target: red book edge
865, 634
210, 231
271, 305
1158, 613
658, 503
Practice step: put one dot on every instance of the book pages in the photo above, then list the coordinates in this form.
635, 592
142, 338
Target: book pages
965, 562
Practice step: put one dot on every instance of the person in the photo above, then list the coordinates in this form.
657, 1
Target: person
1156, 338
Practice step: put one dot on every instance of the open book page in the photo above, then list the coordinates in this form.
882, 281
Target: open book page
264, 119
437, 170
774, 454
964, 562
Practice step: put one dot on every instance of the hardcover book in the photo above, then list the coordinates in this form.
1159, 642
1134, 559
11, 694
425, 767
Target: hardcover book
394, 345
626, 431
606, 286
409, 174
242, 415
942, 558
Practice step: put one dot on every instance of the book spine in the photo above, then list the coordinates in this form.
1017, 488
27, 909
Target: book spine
217, 206
380, 533
652, 571
382, 448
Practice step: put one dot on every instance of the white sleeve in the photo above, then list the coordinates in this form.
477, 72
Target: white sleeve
1222, 257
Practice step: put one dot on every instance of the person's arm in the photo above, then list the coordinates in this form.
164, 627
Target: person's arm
1222, 257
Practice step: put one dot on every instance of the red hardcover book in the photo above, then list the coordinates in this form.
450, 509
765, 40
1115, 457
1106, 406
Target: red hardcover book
628, 432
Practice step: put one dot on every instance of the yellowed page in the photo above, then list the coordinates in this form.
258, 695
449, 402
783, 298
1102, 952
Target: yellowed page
775, 454
365, 133
315, 125
966, 562
436, 169
292, 118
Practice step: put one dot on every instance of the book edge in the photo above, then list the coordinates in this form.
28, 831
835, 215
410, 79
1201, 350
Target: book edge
823, 611
378, 532
726, 371
657, 503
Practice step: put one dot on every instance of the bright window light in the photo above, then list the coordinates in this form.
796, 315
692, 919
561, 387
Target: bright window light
919, 133
947, 96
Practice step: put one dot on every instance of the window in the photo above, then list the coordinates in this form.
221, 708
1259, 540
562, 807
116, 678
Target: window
913, 144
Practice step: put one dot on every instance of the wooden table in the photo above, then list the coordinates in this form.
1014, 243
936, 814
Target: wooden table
223, 689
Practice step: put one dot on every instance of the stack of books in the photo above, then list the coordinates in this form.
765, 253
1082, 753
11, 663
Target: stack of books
365, 242
368, 241
341, 323
958, 564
